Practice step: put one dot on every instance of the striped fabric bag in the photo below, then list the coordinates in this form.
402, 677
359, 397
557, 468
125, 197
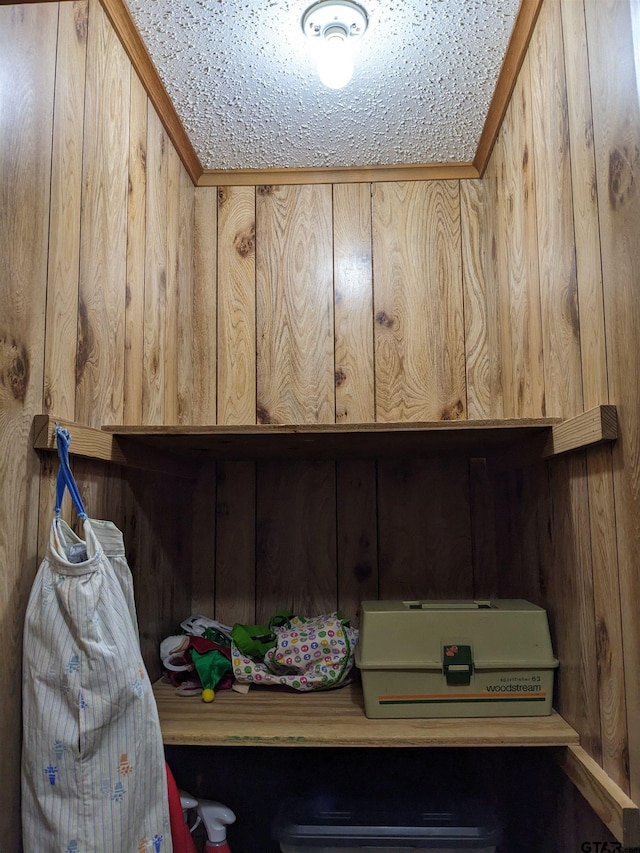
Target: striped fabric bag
93, 767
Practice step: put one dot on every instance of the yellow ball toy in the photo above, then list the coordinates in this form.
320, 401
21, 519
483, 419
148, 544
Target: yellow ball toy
208, 695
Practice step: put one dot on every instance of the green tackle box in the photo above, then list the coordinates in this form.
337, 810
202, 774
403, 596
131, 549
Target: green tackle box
455, 659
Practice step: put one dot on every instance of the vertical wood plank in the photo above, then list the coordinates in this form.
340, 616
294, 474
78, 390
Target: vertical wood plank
419, 324
186, 230
236, 305
155, 286
612, 37
522, 509
608, 617
170, 407
424, 529
155, 516
353, 303
136, 253
498, 176
61, 331
526, 392
198, 309
294, 319
64, 221
27, 74
569, 586
103, 242
497, 331
595, 387
203, 567
483, 530
235, 557
357, 533
585, 206
296, 538
482, 334
554, 208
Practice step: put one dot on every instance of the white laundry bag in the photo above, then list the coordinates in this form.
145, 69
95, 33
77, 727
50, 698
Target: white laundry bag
93, 767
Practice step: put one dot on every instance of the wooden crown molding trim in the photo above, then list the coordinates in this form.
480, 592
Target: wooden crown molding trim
131, 40
511, 65
354, 175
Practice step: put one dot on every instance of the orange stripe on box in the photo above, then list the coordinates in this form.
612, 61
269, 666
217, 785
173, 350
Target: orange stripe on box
495, 695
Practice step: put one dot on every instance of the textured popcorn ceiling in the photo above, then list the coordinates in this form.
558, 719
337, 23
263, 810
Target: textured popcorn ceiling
244, 84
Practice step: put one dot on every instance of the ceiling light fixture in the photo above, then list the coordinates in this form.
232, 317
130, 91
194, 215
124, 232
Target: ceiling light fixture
334, 26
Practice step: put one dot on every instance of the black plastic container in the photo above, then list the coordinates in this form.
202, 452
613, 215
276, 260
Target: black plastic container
324, 824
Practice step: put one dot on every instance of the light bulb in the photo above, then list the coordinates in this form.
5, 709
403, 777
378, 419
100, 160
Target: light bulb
334, 27
335, 64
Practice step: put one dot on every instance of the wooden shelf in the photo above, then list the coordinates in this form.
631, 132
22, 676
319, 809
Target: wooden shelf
335, 441
180, 450
335, 718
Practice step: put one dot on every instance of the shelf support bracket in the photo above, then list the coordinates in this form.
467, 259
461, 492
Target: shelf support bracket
592, 427
94, 443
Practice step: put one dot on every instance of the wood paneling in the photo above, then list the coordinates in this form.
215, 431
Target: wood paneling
482, 347
497, 271
548, 200
483, 531
137, 52
203, 574
64, 223
198, 317
569, 598
136, 254
61, 331
525, 395
424, 529
296, 539
28, 51
353, 303
575, 547
72, 241
186, 230
294, 299
357, 533
515, 56
237, 305
155, 285
513, 295
595, 385
585, 206
174, 280
554, 209
235, 555
103, 269
419, 324
612, 37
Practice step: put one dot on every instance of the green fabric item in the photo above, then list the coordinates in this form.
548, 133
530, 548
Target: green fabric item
210, 666
216, 637
254, 641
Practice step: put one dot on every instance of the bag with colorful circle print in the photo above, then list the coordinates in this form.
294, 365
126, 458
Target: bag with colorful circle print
308, 654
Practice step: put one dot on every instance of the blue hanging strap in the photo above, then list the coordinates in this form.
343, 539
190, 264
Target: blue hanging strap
65, 477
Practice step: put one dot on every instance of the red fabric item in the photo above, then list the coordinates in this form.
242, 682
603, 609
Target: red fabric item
202, 645
180, 835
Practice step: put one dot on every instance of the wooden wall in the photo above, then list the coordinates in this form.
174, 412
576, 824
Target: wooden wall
96, 224
126, 295
327, 298
557, 279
